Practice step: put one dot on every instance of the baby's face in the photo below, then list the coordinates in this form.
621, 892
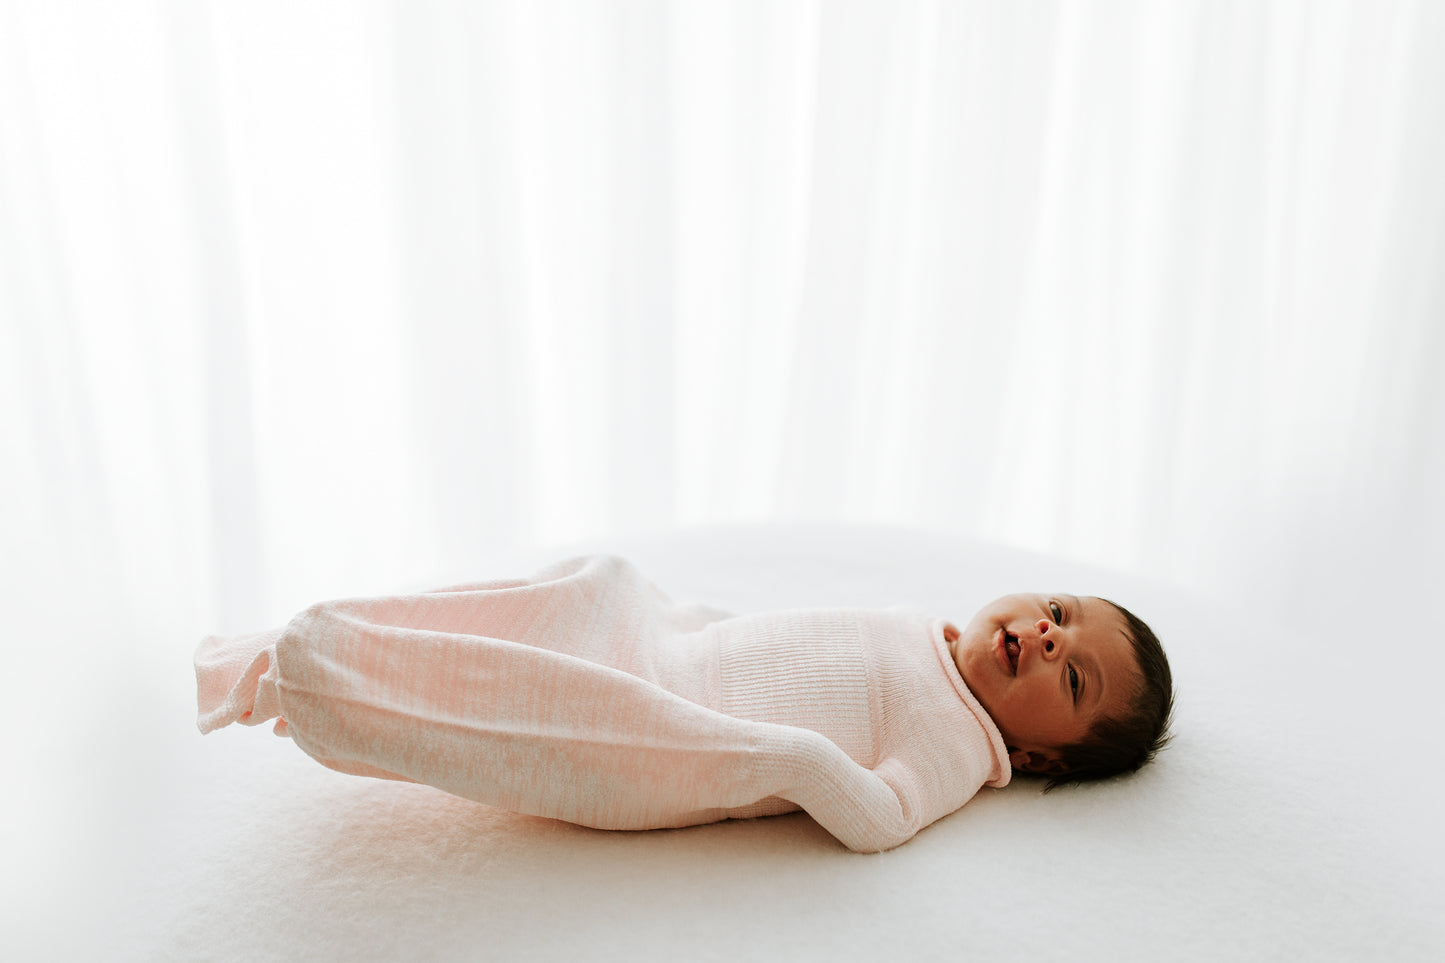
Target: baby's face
1046, 668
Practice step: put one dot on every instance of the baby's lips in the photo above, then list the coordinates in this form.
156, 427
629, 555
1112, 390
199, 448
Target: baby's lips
1000, 648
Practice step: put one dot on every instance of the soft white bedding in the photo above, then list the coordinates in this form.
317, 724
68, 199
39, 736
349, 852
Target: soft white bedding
1292, 817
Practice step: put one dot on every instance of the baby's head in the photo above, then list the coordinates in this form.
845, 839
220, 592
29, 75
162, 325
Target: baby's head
1080, 688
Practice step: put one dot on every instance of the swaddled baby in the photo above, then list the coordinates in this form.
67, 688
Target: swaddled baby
584, 693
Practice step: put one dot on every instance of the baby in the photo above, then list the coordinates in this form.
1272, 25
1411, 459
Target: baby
584, 693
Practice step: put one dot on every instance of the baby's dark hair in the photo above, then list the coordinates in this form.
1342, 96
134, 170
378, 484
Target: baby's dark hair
1117, 746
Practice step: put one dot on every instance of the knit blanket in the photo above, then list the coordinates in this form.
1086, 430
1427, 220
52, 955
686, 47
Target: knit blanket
584, 693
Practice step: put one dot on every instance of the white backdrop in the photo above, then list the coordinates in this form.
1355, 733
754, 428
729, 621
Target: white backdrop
307, 299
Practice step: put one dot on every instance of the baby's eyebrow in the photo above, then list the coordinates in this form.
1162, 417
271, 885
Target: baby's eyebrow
1096, 669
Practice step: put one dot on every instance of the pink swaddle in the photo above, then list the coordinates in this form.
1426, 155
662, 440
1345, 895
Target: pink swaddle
585, 694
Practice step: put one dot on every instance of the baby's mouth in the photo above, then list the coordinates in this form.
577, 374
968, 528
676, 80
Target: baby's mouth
1011, 649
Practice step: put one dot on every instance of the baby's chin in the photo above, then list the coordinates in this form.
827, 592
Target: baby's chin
982, 671
976, 662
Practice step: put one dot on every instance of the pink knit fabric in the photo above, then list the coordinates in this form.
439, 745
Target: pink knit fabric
585, 694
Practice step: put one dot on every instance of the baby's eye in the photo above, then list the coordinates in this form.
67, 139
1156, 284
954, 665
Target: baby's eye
1074, 681
1057, 612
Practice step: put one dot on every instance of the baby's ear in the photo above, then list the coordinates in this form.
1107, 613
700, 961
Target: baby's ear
1041, 764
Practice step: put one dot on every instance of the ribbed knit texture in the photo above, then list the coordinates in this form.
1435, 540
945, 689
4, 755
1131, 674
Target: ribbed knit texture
583, 693
788, 667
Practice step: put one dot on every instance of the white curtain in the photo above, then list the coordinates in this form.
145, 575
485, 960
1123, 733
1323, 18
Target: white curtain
307, 299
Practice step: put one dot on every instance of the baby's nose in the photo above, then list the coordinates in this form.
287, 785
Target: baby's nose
1044, 627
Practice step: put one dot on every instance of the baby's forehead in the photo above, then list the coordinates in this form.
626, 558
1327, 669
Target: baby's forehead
1094, 610
1097, 607
1068, 598
1085, 606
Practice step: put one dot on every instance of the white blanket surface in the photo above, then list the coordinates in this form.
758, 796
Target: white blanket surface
1292, 817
